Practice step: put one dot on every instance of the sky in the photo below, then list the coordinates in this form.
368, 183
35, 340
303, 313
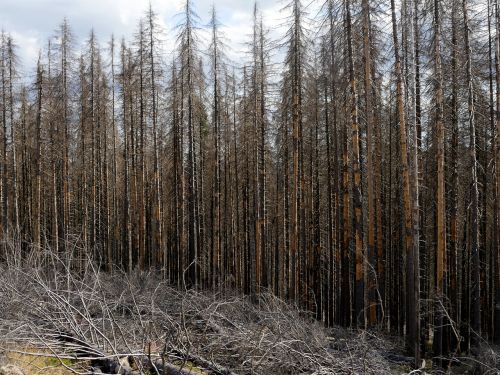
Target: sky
32, 22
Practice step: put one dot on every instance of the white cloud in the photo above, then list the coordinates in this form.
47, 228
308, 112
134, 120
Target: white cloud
29, 45
32, 22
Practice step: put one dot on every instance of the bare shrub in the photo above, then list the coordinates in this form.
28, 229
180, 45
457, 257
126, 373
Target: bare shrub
68, 308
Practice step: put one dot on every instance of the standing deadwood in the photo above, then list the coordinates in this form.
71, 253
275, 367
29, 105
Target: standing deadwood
183, 230
236, 218
330, 287
83, 118
102, 163
216, 220
328, 283
295, 66
346, 299
262, 153
101, 160
132, 155
238, 248
334, 191
227, 232
141, 151
158, 247
413, 316
494, 233
454, 242
65, 35
314, 270
497, 155
389, 207
192, 193
172, 232
53, 130
178, 179
415, 257
38, 172
474, 250
64, 51
246, 264
359, 309
255, 154
125, 83
287, 254
11, 70
92, 45
199, 119
25, 180
99, 176
378, 187
188, 68
199, 160
418, 204
259, 125
327, 299
371, 258
258, 115
4, 177
106, 168
440, 182
113, 253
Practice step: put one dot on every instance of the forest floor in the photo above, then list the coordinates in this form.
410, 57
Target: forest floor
54, 322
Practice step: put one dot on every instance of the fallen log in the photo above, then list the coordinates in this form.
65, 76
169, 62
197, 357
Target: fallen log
129, 365
124, 366
215, 368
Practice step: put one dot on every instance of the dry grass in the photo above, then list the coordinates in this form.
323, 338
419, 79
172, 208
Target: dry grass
36, 363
